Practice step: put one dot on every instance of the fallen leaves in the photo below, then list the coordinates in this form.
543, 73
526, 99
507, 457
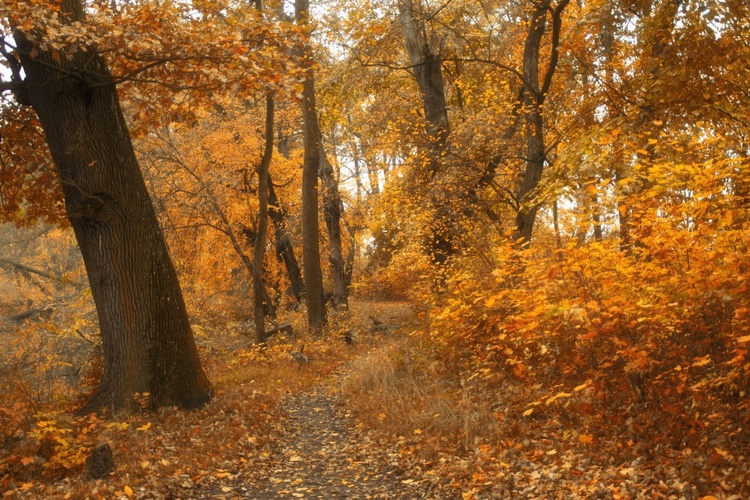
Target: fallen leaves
585, 438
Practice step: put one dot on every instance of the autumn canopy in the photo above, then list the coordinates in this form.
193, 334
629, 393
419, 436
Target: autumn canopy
561, 189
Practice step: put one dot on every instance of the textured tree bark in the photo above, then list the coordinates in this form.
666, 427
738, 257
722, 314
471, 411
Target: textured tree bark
426, 66
333, 208
428, 71
260, 239
147, 342
533, 99
316, 311
332, 204
284, 246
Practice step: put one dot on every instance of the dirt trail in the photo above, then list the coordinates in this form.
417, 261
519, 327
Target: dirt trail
322, 456
321, 453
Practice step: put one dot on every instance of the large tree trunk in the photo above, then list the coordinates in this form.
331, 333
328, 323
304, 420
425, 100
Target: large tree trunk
316, 311
332, 204
147, 341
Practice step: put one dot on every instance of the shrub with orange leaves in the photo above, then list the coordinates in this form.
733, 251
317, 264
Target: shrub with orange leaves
659, 333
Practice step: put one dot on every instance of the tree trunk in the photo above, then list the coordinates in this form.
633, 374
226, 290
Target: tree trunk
623, 214
260, 239
316, 311
372, 177
284, 246
355, 145
427, 67
332, 204
534, 95
556, 224
332, 210
146, 337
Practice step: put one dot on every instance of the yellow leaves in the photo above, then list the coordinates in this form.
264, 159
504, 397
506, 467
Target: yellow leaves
577, 314
144, 427
444, 314
120, 426
531, 408
128, 491
298, 89
582, 386
703, 361
469, 495
557, 396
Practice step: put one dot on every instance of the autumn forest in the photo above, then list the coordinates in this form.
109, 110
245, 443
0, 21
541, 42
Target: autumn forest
398, 249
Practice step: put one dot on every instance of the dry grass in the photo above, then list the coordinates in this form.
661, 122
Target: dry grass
401, 390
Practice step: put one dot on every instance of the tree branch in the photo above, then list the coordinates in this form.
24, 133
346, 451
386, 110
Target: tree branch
556, 25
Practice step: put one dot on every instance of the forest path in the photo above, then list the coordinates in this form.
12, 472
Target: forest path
324, 456
321, 453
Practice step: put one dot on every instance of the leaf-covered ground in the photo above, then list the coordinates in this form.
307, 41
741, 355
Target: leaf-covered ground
321, 455
380, 419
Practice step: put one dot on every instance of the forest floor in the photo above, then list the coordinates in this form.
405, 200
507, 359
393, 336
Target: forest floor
274, 429
379, 419
323, 455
